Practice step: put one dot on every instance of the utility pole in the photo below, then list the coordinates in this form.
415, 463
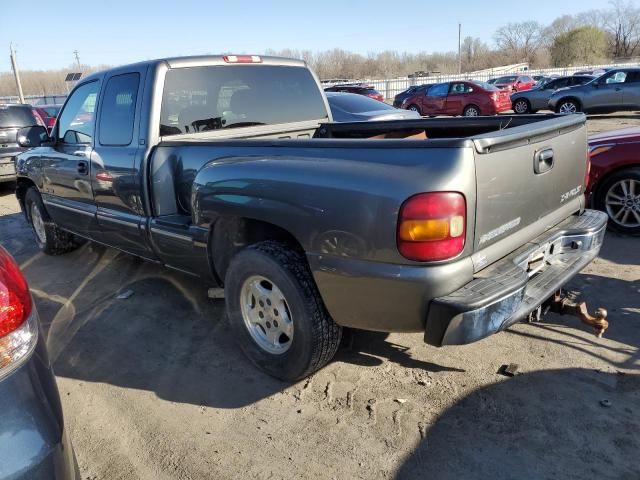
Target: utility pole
459, 48
16, 73
75, 52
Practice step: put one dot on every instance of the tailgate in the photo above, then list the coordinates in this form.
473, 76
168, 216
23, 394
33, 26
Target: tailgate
529, 178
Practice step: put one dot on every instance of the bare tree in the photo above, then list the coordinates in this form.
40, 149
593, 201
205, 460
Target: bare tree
623, 24
520, 41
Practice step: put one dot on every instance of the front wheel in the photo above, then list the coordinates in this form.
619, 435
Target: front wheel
276, 312
568, 106
521, 106
414, 108
619, 197
471, 111
51, 239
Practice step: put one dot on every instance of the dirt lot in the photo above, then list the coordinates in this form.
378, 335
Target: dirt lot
154, 388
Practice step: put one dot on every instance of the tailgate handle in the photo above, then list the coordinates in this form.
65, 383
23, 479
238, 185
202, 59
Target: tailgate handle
543, 160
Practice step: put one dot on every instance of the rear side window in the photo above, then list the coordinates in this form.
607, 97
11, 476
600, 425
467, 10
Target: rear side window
199, 99
16, 116
118, 110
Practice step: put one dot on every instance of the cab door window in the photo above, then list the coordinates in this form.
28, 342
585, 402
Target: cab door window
77, 119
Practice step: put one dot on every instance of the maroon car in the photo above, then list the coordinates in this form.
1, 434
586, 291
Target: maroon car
466, 98
614, 180
515, 83
48, 114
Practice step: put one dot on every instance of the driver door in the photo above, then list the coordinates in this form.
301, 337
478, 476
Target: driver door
607, 93
435, 100
66, 188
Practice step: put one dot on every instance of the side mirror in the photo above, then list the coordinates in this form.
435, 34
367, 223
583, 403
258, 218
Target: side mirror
33, 136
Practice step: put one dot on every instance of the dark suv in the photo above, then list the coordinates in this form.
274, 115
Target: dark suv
12, 118
359, 89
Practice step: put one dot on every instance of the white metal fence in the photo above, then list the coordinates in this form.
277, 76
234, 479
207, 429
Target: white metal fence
36, 100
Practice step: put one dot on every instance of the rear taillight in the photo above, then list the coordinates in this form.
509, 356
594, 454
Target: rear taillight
18, 332
432, 226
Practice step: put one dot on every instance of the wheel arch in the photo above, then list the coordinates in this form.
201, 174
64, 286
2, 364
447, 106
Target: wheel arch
23, 184
231, 234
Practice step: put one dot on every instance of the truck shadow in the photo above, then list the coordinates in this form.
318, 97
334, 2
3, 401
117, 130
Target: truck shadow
570, 424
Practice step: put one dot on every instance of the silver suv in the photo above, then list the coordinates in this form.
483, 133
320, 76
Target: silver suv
616, 90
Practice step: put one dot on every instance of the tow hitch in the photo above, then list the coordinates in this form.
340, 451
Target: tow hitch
565, 304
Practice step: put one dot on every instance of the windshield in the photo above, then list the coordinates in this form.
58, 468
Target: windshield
16, 116
508, 79
200, 99
356, 103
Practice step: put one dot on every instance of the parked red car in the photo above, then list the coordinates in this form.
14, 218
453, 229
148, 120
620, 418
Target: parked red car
515, 83
459, 98
614, 180
48, 114
359, 89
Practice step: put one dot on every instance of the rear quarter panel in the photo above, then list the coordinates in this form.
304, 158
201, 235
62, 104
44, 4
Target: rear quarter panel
320, 190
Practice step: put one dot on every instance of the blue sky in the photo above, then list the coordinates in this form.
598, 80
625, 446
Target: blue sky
116, 32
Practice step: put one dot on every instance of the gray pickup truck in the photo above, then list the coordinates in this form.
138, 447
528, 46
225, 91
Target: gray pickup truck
230, 168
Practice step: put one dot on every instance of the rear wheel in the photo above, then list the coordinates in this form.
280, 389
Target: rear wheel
568, 105
471, 111
276, 312
619, 197
50, 238
414, 108
521, 106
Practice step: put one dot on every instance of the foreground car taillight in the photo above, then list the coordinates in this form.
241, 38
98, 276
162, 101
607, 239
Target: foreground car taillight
18, 330
432, 226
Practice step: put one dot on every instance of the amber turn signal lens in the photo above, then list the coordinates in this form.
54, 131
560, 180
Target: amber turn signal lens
424, 230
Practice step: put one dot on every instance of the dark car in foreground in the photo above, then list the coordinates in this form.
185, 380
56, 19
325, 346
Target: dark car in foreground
358, 89
349, 107
48, 114
614, 179
33, 440
399, 98
617, 90
530, 101
12, 118
467, 98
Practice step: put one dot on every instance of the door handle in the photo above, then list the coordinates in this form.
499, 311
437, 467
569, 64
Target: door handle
83, 168
543, 161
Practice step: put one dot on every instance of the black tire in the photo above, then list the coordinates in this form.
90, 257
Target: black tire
566, 104
414, 108
521, 106
56, 241
316, 337
471, 111
610, 184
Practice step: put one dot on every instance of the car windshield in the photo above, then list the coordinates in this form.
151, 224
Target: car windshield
486, 86
16, 116
508, 79
356, 103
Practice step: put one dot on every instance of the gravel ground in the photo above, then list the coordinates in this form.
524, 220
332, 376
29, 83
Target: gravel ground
154, 388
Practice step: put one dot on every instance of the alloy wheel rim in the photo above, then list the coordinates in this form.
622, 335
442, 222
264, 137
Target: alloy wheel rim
38, 223
623, 203
266, 314
521, 106
568, 107
471, 112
